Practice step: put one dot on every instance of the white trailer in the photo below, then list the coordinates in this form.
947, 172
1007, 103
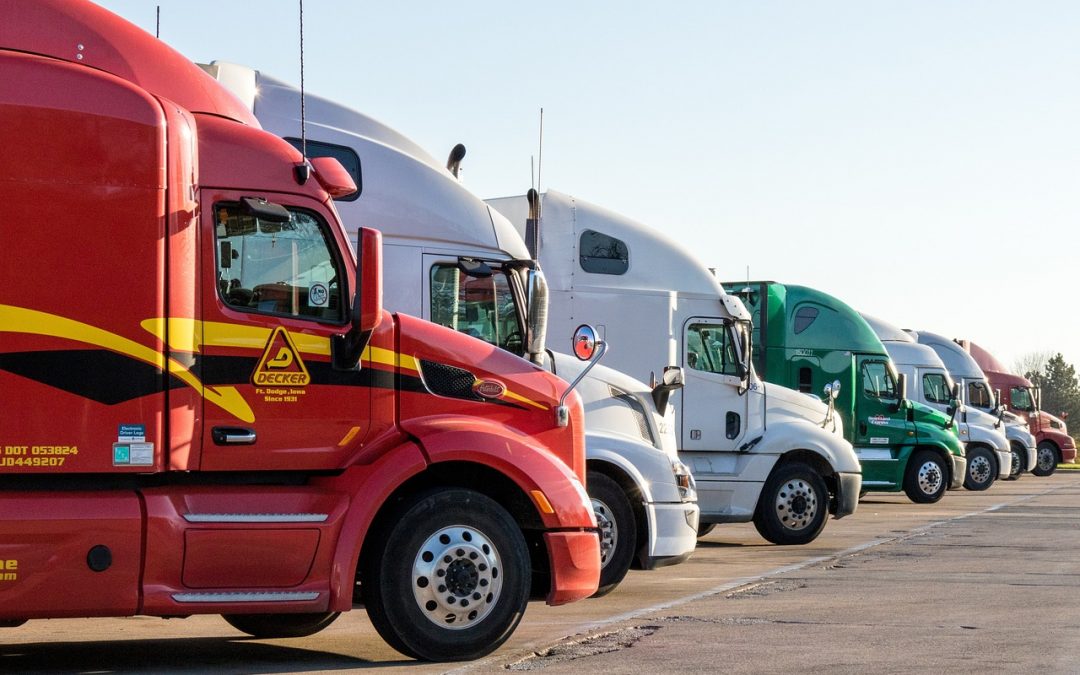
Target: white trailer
450, 258
758, 452
929, 382
977, 394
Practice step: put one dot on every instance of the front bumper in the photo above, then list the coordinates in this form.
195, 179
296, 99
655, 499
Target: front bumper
674, 533
848, 487
574, 558
1068, 455
959, 472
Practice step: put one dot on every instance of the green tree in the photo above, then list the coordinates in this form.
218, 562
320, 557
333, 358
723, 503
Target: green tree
1060, 389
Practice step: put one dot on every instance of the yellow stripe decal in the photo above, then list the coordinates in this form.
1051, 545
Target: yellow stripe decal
40, 323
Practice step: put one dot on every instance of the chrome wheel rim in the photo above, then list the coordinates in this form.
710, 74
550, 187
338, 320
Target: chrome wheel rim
609, 531
796, 504
930, 478
979, 469
1046, 459
457, 577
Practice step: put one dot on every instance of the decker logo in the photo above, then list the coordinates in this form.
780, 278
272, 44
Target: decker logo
489, 388
280, 364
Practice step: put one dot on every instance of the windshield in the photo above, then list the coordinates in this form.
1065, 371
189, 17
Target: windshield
483, 307
1021, 399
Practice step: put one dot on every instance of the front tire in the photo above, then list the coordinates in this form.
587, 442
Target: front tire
926, 478
618, 530
981, 469
267, 626
793, 505
1046, 459
450, 578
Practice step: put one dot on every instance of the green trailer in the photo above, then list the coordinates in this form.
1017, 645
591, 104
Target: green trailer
805, 339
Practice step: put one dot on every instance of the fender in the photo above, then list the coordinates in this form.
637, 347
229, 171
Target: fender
647, 467
449, 438
369, 487
804, 435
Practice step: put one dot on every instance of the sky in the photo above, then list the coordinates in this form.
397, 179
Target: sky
919, 159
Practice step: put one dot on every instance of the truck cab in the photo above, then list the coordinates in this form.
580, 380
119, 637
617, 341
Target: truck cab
807, 339
455, 261
207, 409
658, 304
985, 446
1019, 396
977, 394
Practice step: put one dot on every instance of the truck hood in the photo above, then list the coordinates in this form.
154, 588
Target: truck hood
782, 402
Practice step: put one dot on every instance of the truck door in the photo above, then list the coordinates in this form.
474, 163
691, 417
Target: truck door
714, 411
880, 429
274, 293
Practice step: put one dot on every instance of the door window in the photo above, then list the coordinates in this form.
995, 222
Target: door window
878, 382
284, 269
979, 395
936, 388
482, 307
709, 348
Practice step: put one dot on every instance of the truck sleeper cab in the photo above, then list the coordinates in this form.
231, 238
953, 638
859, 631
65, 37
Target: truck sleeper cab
986, 448
207, 409
804, 338
742, 440
457, 262
977, 394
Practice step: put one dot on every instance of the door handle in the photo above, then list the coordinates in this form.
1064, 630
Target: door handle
233, 436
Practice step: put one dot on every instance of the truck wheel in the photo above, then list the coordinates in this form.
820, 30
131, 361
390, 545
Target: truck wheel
1017, 457
980, 470
618, 531
450, 578
793, 505
1046, 459
280, 625
926, 480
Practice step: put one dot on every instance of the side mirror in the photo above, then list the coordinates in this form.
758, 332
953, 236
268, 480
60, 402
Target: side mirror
333, 177
366, 312
587, 347
672, 379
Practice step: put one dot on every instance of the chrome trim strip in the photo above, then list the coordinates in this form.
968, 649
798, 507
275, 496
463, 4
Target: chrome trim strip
245, 597
256, 517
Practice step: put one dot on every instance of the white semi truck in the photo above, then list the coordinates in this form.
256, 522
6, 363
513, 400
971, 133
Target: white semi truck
929, 383
976, 393
758, 452
452, 259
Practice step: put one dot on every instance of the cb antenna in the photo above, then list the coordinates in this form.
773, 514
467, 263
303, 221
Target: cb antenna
303, 170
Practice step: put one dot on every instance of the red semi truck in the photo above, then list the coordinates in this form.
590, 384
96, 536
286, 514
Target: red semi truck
204, 407
1021, 397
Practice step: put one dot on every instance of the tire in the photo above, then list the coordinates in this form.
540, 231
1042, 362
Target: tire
280, 625
926, 478
705, 528
618, 529
1046, 459
981, 469
793, 505
460, 537
1019, 461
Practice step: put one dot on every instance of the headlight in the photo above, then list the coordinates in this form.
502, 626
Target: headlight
684, 480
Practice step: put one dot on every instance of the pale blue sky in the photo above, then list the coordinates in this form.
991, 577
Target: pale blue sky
918, 159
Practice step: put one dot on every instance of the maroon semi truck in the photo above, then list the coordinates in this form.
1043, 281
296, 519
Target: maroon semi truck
1021, 397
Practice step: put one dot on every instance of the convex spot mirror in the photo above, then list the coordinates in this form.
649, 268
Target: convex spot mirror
584, 342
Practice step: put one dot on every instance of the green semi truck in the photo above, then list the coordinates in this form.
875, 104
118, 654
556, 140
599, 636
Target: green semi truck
806, 339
